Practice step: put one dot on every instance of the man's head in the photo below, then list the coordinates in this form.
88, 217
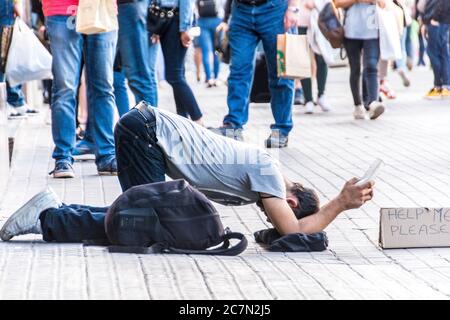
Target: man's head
303, 201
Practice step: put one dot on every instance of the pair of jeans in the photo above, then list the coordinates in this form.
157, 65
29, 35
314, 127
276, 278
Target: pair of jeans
438, 51
15, 95
69, 50
370, 52
208, 31
248, 26
174, 64
401, 63
140, 161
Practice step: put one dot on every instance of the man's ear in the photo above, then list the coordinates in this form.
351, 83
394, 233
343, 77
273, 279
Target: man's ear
292, 201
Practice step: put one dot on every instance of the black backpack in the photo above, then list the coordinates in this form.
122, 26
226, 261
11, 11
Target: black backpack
207, 8
168, 217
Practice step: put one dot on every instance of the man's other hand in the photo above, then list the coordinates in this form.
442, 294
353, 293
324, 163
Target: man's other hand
290, 19
17, 10
353, 197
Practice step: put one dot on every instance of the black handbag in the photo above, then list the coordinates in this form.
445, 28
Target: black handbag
159, 19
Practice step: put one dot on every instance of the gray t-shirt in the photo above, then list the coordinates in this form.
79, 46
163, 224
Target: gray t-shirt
226, 171
361, 22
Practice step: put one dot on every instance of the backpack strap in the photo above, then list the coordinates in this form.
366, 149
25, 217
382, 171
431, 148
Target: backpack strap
224, 250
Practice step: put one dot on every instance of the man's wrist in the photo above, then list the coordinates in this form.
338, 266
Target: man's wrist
339, 203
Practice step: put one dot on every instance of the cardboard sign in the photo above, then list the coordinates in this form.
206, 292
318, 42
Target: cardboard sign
414, 227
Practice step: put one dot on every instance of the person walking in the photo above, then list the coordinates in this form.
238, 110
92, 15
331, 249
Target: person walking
253, 21
210, 15
436, 18
17, 106
175, 41
69, 49
362, 42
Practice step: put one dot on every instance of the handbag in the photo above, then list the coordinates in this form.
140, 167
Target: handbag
331, 26
158, 19
293, 56
96, 16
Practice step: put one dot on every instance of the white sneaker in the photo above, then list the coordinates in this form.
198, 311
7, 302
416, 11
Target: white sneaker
359, 113
26, 219
376, 109
323, 103
309, 107
17, 112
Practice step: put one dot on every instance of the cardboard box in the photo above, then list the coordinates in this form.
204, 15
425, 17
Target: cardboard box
414, 227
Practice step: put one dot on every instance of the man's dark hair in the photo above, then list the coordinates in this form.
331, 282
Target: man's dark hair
308, 201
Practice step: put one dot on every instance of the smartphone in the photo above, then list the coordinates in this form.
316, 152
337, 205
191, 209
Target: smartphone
371, 172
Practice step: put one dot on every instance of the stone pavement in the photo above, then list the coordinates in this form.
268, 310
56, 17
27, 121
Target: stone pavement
325, 150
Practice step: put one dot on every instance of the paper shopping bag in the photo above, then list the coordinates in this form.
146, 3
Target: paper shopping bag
5, 42
96, 16
293, 56
390, 44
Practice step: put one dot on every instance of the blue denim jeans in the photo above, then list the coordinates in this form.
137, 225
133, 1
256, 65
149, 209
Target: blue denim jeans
15, 95
438, 51
137, 59
174, 64
98, 50
370, 52
208, 27
248, 26
140, 161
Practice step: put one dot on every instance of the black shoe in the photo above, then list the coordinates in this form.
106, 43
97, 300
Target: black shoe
108, 168
276, 140
63, 170
229, 131
32, 112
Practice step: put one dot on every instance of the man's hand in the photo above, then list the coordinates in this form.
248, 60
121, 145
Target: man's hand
223, 26
155, 38
352, 196
185, 38
17, 11
290, 19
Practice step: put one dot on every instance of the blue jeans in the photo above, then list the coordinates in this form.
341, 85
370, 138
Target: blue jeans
69, 48
208, 27
174, 60
438, 51
140, 161
370, 52
15, 95
248, 26
401, 63
138, 61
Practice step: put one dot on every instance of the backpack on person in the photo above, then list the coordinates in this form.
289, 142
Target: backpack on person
330, 25
207, 8
168, 217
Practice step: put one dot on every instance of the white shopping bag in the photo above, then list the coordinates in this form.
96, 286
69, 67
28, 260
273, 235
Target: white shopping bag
28, 59
390, 44
96, 16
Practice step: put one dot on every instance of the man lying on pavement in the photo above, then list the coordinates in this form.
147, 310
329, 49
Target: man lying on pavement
151, 143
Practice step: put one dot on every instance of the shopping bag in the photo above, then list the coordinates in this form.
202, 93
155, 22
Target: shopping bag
27, 58
293, 56
96, 16
390, 45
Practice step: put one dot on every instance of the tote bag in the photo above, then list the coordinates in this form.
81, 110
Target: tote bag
27, 59
96, 16
390, 46
293, 56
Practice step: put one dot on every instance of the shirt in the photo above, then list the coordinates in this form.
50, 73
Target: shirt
59, 7
361, 22
227, 171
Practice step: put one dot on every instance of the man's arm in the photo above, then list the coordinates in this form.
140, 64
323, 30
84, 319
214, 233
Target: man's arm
284, 220
291, 16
